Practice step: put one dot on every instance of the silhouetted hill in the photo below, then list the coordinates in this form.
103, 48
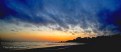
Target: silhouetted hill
100, 39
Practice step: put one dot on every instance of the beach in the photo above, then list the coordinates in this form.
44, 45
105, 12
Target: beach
75, 48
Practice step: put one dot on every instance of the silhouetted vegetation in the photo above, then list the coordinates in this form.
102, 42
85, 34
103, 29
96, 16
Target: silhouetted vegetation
100, 39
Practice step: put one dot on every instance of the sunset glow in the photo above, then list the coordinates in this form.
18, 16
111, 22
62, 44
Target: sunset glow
42, 35
61, 20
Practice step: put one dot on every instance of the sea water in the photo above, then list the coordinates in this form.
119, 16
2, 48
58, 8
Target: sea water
31, 45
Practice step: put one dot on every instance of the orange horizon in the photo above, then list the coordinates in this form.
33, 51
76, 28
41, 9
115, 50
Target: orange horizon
53, 36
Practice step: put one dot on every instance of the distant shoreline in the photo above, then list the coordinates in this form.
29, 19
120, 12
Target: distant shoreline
97, 44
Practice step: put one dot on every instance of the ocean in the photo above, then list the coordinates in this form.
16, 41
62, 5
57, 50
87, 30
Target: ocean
32, 45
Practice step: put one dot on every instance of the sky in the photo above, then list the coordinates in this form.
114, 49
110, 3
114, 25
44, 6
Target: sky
59, 20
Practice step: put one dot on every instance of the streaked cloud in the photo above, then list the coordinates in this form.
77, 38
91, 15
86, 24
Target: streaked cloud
74, 16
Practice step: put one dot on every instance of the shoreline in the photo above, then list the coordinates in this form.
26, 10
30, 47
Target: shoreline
75, 48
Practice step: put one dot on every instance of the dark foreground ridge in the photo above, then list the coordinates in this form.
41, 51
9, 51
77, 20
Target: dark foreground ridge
94, 44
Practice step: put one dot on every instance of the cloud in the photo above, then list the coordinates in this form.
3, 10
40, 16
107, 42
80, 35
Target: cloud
95, 16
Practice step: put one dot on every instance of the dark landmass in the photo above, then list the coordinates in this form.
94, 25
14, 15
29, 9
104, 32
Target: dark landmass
116, 39
94, 44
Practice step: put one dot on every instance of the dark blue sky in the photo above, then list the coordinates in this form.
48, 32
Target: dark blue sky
99, 15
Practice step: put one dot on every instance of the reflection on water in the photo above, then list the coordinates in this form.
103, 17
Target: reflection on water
30, 45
